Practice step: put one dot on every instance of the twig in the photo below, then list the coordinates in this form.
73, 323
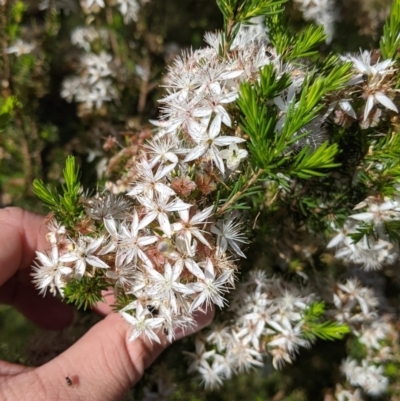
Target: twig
238, 194
113, 38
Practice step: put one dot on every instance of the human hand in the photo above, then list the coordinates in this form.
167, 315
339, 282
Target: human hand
102, 365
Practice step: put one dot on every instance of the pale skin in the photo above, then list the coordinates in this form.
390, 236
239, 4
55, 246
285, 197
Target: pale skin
101, 366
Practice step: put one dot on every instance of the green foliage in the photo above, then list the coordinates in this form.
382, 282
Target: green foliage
244, 10
259, 119
306, 42
390, 41
86, 292
7, 107
239, 11
384, 152
314, 326
258, 122
289, 46
393, 230
65, 205
245, 188
270, 85
307, 163
365, 229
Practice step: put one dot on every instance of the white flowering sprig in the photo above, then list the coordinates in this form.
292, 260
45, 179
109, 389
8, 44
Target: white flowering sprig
244, 114
269, 318
369, 239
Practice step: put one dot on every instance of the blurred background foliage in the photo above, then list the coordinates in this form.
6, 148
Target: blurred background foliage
39, 128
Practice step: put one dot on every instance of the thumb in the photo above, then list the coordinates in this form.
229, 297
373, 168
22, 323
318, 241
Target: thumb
102, 365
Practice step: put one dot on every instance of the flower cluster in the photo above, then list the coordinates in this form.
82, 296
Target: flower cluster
93, 86
322, 12
373, 82
357, 306
267, 318
375, 247
167, 236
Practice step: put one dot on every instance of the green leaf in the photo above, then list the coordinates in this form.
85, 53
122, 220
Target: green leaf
390, 41
307, 163
306, 42
393, 229
65, 204
313, 327
7, 107
85, 293
269, 85
363, 230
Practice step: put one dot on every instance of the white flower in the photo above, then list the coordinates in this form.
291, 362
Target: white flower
91, 3
143, 324
211, 376
150, 182
374, 91
84, 36
207, 142
233, 156
210, 288
164, 149
158, 209
131, 242
381, 98
49, 271
229, 233
367, 376
97, 65
129, 9
83, 254
379, 212
167, 286
363, 65
184, 254
19, 48
187, 226
199, 357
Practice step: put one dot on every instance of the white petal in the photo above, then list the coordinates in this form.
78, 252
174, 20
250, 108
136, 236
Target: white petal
215, 127
147, 240
199, 217
162, 188
368, 106
194, 268
68, 257
164, 223
196, 152
164, 171
384, 100
336, 240
227, 140
231, 74
347, 108
110, 226
362, 216
97, 262
147, 219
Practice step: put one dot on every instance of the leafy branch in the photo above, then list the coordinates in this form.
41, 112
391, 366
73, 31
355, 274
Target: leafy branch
238, 11
307, 162
291, 47
313, 326
243, 188
66, 206
86, 292
390, 40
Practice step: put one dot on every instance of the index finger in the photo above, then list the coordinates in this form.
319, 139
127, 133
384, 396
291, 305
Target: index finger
21, 234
